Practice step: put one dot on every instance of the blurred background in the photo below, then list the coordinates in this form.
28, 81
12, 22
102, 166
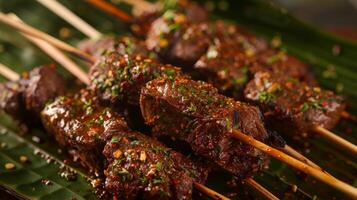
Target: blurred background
338, 16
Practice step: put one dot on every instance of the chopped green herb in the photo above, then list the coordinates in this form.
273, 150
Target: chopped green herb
114, 139
158, 166
174, 27
169, 15
125, 175
273, 59
265, 96
157, 180
240, 80
191, 109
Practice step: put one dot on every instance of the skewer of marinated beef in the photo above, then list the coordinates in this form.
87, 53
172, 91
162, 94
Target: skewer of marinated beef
261, 146
85, 129
230, 61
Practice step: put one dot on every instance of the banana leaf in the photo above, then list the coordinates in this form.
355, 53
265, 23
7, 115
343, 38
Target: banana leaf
28, 180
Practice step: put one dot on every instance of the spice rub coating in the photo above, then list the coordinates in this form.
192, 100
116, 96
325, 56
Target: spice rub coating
118, 78
194, 112
142, 168
82, 126
292, 106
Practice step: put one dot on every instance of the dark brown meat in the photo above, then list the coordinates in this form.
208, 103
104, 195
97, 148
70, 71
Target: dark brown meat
118, 78
176, 40
194, 112
25, 98
12, 103
43, 86
124, 45
142, 168
279, 62
82, 127
293, 107
194, 13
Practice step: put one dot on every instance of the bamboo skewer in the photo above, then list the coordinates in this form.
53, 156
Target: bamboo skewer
320, 175
38, 34
71, 18
292, 152
138, 7
261, 189
57, 55
339, 140
111, 10
318, 129
8, 73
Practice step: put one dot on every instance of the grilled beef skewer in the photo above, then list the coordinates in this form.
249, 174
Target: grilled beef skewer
136, 166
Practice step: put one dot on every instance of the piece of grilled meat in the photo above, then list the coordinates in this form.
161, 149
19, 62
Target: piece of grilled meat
118, 77
81, 125
25, 98
140, 167
12, 103
194, 13
194, 112
291, 106
178, 41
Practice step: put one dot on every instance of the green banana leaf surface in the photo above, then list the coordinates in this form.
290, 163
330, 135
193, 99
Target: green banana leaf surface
46, 172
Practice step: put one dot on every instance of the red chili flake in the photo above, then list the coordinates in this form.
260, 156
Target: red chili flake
277, 109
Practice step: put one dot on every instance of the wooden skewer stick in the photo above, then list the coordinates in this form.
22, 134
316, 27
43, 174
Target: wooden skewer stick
211, 193
8, 73
289, 150
335, 138
261, 189
318, 174
70, 17
57, 55
111, 10
322, 176
38, 34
